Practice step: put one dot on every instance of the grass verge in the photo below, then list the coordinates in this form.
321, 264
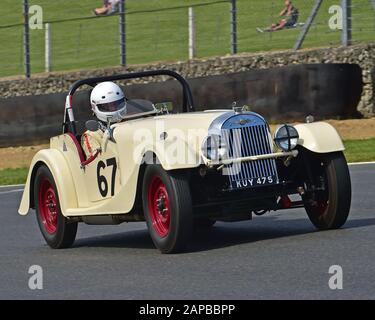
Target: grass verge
360, 150
13, 176
356, 151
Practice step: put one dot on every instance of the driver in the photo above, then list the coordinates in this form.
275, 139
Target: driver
108, 103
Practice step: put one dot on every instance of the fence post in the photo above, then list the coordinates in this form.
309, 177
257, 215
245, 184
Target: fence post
48, 47
26, 38
346, 37
307, 25
191, 33
122, 33
233, 23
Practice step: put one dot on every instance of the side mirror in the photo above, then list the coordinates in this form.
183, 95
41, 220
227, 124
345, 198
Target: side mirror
92, 125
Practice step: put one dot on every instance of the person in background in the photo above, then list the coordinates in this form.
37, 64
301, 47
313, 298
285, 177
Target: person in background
290, 14
109, 7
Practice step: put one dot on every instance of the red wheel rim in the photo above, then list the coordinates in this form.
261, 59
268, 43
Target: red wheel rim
48, 208
159, 206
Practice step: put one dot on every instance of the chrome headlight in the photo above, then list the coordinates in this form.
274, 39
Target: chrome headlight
286, 137
214, 148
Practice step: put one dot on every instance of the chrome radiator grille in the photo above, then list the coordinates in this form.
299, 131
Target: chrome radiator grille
250, 141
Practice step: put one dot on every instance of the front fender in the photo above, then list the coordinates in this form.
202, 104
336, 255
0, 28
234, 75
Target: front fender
56, 163
179, 155
173, 154
319, 137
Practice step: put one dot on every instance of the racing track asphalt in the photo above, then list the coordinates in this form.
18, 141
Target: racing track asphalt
278, 256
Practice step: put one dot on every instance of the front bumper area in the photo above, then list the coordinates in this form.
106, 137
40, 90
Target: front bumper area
225, 162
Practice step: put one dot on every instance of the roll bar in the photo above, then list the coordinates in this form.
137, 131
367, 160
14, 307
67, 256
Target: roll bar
69, 124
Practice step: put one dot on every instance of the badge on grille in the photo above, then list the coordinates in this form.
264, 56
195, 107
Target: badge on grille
242, 122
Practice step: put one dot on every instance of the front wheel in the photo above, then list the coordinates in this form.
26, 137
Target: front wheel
56, 229
328, 204
167, 207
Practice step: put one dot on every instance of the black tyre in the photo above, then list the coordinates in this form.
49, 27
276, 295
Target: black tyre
56, 229
328, 207
167, 208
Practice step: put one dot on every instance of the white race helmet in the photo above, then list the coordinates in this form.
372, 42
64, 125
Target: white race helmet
108, 102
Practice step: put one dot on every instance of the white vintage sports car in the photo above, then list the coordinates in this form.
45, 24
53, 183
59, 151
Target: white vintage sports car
184, 170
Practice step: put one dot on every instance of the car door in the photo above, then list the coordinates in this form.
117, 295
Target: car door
102, 176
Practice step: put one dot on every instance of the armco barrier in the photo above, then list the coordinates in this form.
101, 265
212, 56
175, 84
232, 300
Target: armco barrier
281, 94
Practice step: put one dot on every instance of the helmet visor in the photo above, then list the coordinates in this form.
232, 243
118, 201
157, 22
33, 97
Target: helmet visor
111, 106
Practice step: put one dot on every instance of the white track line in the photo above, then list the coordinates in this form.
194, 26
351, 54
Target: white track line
361, 163
12, 186
11, 191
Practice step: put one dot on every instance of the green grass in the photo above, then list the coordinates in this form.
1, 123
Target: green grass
13, 176
155, 36
356, 151
360, 150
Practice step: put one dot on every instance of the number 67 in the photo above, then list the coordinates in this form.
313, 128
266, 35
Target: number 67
102, 181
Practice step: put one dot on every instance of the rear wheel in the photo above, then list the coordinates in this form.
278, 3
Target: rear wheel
167, 208
328, 205
56, 229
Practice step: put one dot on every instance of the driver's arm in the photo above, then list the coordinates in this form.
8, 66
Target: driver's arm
91, 142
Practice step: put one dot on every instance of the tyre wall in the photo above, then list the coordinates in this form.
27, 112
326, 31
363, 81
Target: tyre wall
280, 94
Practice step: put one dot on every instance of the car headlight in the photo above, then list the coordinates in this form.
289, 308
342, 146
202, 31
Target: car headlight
214, 148
286, 137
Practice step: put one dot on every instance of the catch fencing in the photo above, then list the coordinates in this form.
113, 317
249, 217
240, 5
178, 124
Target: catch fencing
56, 36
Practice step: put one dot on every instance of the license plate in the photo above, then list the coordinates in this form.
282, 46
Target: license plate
254, 182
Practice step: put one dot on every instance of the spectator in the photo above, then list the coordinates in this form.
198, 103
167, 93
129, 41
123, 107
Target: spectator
109, 7
290, 14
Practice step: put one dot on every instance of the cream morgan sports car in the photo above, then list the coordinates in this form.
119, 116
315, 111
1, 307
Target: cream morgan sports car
183, 171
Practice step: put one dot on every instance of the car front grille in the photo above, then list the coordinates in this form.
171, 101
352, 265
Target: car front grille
247, 141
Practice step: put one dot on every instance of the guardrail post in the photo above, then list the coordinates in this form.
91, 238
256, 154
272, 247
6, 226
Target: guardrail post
26, 38
191, 33
122, 32
48, 47
346, 37
233, 23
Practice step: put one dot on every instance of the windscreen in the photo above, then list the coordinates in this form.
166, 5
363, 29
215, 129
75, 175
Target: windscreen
139, 106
